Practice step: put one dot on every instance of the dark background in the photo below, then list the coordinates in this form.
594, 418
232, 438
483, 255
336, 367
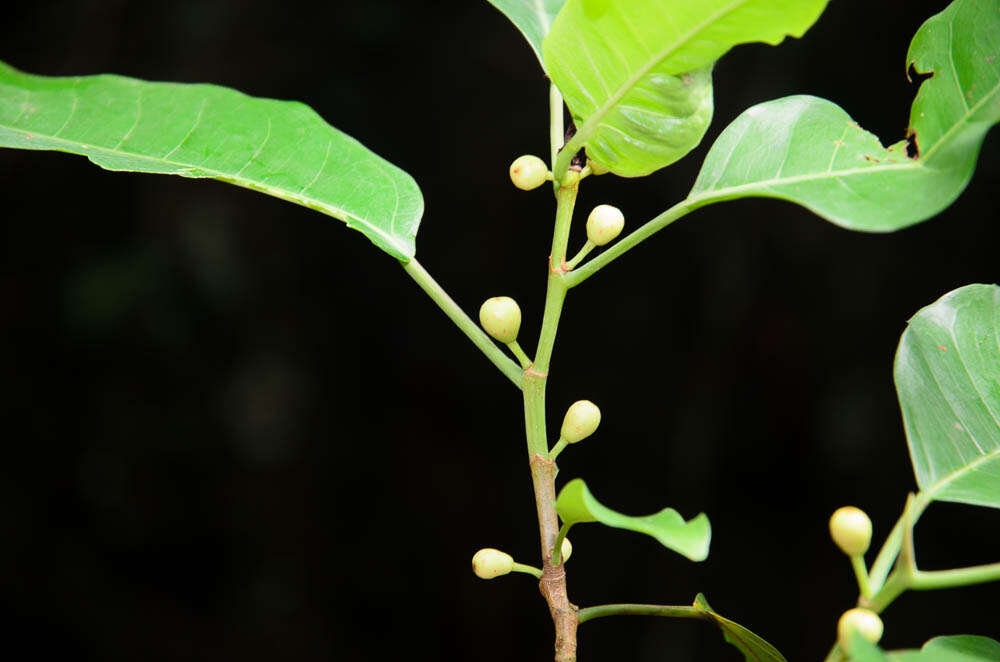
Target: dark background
234, 430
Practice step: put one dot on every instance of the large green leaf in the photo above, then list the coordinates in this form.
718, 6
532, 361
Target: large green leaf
637, 75
955, 648
809, 151
754, 648
281, 148
532, 17
576, 504
947, 375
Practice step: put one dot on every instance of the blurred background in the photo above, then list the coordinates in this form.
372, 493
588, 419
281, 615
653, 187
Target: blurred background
235, 430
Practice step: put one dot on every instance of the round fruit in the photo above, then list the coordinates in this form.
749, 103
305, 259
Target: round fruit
851, 529
490, 563
501, 317
582, 418
604, 224
863, 621
528, 172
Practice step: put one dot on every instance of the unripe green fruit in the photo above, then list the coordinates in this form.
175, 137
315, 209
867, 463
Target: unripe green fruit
851, 529
501, 317
582, 418
490, 563
566, 549
528, 172
604, 224
863, 621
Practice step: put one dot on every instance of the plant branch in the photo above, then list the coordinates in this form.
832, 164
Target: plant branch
634, 238
463, 321
671, 611
557, 131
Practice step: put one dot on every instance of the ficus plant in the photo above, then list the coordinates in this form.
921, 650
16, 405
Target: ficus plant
630, 93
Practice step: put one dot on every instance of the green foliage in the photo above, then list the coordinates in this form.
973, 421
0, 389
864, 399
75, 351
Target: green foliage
281, 148
532, 17
754, 648
957, 648
818, 157
691, 539
637, 75
947, 368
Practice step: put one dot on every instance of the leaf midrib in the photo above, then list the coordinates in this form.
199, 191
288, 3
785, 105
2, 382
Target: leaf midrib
945, 137
255, 185
596, 118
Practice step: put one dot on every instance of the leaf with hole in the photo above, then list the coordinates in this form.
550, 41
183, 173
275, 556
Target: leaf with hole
947, 373
637, 75
809, 151
532, 17
281, 148
753, 647
691, 539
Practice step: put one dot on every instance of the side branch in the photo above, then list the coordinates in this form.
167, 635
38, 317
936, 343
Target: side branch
455, 313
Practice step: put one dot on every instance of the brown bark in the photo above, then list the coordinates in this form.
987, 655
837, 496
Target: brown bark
553, 582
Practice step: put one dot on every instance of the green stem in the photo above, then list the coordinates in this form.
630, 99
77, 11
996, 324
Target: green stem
565, 201
886, 556
894, 586
835, 654
519, 353
587, 247
558, 448
923, 580
670, 611
557, 131
463, 321
527, 569
861, 574
634, 238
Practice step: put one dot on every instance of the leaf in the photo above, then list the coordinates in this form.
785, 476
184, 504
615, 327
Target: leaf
576, 504
809, 151
281, 148
947, 374
637, 75
955, 648
863, 650
754, 648
532, 17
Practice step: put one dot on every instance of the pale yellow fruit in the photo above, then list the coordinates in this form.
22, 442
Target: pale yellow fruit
604, 224
581, 419
851, 529
528, 172
863, 621
501, 317
490, 563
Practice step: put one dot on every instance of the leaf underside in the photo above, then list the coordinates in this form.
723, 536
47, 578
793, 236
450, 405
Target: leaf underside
532, 17
281, 148
753, 647
637, 75
809, 151
691, 539
947, 373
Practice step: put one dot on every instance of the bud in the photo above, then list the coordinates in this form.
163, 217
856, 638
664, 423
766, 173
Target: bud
490, 563
528, 172
582, 418
571, 178
597, 168
851, 529
501, 317
863, 621
566, 549
604, 224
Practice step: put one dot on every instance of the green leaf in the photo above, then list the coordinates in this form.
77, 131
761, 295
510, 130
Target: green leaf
809, 151
532, 17
956, 648
754, 648
637, 75
576, 504
281, 148
947, 373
